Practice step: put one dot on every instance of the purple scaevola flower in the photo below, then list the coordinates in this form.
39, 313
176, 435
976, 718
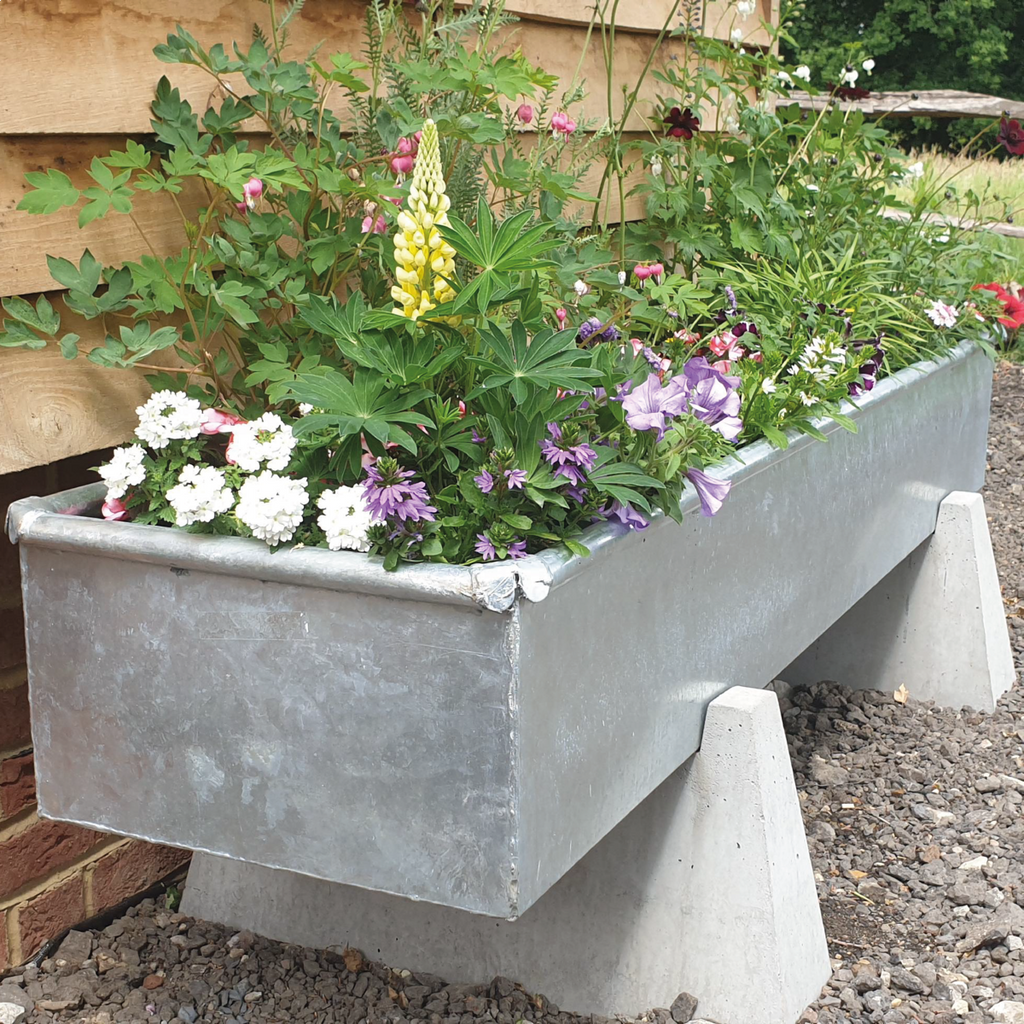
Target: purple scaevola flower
476, 437
484, 481
711, 491
649, 406
485, 548
517, 549
731, 296
625, 514
516, 478
389, 494
711, 396
577, 493
571, 460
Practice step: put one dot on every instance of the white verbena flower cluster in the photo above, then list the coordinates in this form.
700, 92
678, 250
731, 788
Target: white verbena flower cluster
267, 441
821, 359
168, 416
345, 519
124, 470
272, 506
199, 495
942, 315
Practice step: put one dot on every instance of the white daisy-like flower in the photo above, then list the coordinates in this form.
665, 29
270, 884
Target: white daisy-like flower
272, 506
808, 399
868, 65
267, 441
745, 8
199, 495
345, 518
168, 416
942, 315
803, 71
768, 386
124, 470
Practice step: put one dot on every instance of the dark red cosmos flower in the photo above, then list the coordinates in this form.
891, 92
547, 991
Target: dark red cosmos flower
848, 92
681, 124
1011, 136
1012, 306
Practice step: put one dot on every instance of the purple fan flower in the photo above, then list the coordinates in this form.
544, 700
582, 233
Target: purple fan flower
731, 296
517, 549
485, 548
476, 437
570, 460
484, 481
649, 406
711, 491
625, 514
711, 396
516, 478
577, 493
388, 494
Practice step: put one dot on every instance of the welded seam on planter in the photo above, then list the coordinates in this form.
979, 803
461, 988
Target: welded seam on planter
513, 641
493, 588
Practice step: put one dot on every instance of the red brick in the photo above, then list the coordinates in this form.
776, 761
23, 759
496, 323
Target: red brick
130, 869
49, 913
12, 637
15, 730
4, 955
43, 848
17, 785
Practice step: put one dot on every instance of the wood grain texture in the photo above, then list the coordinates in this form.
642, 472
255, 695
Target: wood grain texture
52, 408
109, 46
925, 103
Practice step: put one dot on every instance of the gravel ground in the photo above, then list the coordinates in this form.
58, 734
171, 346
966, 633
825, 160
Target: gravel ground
914, 818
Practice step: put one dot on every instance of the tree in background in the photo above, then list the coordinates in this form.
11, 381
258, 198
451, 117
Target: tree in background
917, 44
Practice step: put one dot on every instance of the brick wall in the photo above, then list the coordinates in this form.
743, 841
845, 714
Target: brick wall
52, 875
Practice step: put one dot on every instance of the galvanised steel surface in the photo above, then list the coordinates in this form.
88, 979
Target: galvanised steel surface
456, 735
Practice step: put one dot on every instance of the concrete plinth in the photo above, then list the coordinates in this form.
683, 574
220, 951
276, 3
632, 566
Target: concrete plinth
706, 887
936, 624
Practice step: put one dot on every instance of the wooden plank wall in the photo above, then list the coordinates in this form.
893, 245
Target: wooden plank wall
86, 82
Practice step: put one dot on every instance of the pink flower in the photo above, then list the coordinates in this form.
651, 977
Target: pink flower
561, 316
405, 154
637, 345
462, 409
378, 226
726, 344
217, 422
657, 270
757, 357
525, 113
251, 191
114, 510
241, 207
722, 366
562, 122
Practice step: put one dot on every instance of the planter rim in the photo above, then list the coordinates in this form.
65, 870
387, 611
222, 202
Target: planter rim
64, 521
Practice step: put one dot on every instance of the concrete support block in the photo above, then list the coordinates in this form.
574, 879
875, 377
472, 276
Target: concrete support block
706, 887
936, 624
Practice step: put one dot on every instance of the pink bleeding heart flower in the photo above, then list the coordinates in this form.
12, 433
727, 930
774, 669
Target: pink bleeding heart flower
242, 207
217, 422
462, 410
251, 191
657, 270
525, 113
561, 316
114, 510
405, 155
378, 226
562, 123
641, 272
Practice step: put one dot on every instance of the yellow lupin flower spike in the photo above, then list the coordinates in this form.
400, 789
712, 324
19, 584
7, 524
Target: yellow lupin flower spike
426, 262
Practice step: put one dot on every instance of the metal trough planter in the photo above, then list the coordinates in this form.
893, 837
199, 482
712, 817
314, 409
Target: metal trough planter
456, 735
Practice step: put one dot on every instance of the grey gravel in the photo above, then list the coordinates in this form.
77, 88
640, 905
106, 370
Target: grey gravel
915, 827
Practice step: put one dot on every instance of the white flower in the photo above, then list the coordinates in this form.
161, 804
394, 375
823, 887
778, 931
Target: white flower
581, 288
345, 519
272, 506
942, 315
732, 124
745, 8
305, 408
622, 278
869, 65
199, 495
803, 71
942, 238
124, 470
768, 386
916, 170
266, 440
808, 399
656, 166
168, 416
784, 77
813, 188
736, 35
820, 359
850, 76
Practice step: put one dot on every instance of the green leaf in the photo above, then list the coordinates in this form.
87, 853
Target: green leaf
52, 190
576, 548
69, 346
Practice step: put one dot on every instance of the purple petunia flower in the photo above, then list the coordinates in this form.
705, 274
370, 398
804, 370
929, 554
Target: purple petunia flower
516, 478
485, 548
389, 494
711, 491
711, 396
650, 406
517, 549
869, 368
484, 481
625, 514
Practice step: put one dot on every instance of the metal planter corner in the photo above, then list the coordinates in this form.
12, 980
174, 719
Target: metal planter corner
456, 735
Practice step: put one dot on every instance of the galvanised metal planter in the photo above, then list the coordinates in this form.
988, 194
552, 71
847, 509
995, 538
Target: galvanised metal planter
456, 735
